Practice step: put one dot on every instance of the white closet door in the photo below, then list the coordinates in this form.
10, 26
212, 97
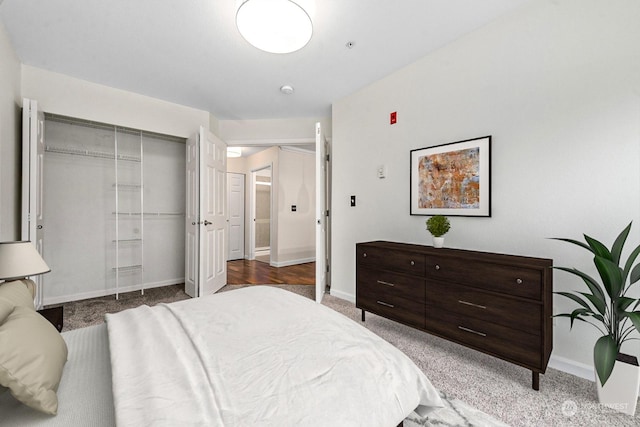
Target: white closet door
32, 182
206, 241
321, 218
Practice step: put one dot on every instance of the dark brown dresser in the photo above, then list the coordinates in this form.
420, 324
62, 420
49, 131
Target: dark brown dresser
495, 303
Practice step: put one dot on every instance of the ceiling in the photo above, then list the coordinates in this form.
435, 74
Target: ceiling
190, 52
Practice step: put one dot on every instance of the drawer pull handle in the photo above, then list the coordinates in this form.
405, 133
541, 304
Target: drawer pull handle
471, 304
364, 255
382, 282
437, 267
482, 334
385, 304
519, 281
413, 263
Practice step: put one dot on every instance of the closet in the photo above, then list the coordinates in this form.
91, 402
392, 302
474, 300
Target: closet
113, 201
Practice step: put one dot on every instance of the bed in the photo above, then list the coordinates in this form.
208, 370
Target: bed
253, 356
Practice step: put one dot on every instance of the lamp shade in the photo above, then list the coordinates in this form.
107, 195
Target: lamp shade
19, 260
275, 26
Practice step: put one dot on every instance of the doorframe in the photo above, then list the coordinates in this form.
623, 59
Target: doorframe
252, 210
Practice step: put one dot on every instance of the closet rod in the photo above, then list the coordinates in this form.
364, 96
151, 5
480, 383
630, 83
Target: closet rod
149, 213
90, 153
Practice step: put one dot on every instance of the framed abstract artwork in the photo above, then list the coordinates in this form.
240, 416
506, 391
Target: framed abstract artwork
452, 179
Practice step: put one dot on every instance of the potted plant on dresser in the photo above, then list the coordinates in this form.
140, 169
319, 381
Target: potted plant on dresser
438, 226
609, 308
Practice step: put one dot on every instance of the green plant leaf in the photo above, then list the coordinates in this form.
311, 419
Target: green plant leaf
630, 261
575, 242
611, 276
599, 304
579, 312
635, 274
591, 283
598, 248
635, 319
575, 298
604, 357
623, 303
571, 317
618, 245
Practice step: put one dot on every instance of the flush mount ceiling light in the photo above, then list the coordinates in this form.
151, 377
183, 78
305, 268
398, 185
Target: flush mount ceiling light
234, 152
275, 26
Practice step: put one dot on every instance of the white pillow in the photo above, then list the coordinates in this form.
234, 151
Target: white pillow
32, 357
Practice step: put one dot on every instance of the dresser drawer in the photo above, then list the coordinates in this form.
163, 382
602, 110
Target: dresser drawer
510, 280
384, 259
394, 308
388, 284
511, 344
510, 312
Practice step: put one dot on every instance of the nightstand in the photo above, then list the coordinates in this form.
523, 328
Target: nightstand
54, 315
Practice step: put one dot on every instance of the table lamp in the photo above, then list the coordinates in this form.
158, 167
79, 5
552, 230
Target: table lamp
18, 260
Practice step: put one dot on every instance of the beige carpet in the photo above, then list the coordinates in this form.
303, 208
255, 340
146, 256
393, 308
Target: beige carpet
497, 388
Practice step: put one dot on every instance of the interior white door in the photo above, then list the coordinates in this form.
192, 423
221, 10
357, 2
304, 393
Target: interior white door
206, 249
321, 214
32, 182
235, 195
192, 244
213, 211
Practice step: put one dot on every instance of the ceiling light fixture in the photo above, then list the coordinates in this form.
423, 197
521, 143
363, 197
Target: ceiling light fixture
234, 152
275, 26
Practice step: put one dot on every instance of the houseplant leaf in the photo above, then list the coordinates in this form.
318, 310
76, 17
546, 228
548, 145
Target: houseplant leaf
611, 276
597, 302
618, 245
635, 318
575, 242
598, 248
604, 357
593, 286
575, 298
629, 263
635, 274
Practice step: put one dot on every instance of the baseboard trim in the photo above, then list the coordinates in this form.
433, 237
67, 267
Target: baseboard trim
112, 291
343, 295
293, 262
572, 367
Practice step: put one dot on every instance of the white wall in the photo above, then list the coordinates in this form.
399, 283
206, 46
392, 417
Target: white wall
272, 131
69, 96
10, 134
296, 186
557, 85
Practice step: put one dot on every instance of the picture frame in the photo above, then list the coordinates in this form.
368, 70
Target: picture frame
452, 179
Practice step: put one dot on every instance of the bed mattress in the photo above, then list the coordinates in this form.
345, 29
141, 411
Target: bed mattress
85, 397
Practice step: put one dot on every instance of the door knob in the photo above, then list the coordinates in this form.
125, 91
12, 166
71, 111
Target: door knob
207, 222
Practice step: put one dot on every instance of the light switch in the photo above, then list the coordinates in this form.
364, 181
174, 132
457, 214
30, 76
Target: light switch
382, 171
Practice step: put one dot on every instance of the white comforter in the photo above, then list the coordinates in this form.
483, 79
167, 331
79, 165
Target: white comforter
258, 356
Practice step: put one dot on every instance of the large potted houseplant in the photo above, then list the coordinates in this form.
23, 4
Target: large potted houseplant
438, 226
610, 308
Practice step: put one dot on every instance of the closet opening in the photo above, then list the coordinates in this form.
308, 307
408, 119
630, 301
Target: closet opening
113, 201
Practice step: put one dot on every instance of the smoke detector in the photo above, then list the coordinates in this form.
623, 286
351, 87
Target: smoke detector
286, 89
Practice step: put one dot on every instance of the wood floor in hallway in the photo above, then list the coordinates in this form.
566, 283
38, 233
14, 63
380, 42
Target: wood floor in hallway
243, 271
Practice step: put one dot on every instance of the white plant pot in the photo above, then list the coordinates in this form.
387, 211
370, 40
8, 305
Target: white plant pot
620, 392
438, 242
